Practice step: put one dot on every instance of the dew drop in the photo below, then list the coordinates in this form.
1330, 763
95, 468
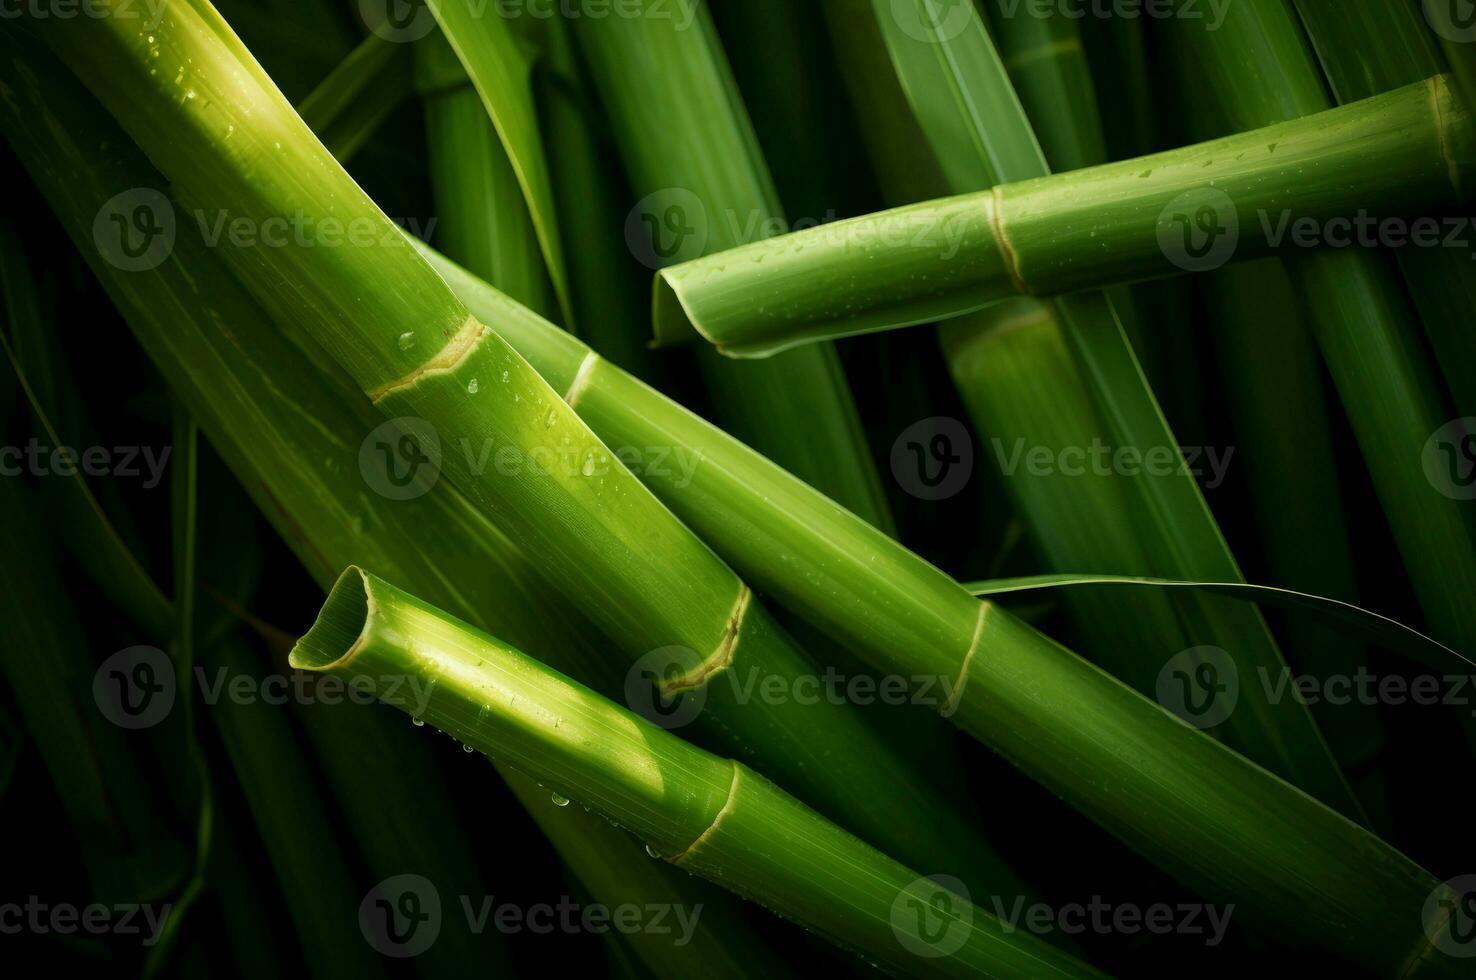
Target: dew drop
471, 386
553, 417
506, 376
467, 748
417, 722
652, 851
407, 340
558, 800
589, 465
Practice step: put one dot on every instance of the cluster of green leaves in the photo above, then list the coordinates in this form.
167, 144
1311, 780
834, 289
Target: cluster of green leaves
569, 160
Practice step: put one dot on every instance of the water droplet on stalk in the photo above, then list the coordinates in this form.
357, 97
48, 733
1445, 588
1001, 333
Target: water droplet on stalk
652, 851
558, 800
407, 340
471, 386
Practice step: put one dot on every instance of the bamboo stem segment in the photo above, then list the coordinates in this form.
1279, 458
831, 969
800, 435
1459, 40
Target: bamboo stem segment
1398, 153
712, 816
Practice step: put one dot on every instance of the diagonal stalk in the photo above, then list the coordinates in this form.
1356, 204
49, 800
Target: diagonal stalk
1402, 152
708, 815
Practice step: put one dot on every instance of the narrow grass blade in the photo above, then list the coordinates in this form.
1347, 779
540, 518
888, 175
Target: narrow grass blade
706, 814
1351, 621
312, 870
1280, 412
93, 540
500, 65
1048, 68
1360, 318
484, 221
126, 841
1368, 49
611, 297
358, 95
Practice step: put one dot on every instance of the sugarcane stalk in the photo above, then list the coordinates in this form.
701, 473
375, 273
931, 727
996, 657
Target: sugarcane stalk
651, 585
1402, 152
712, 816
226, 360
1141, 720
1360, 318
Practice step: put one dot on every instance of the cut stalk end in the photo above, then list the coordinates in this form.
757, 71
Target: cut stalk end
338, 633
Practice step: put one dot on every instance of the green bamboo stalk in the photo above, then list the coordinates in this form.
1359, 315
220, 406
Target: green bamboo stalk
230, 365
1175, 527
599, 532
1185, 829
703, 813
689, 148
1061, 90
1015, 373
908, 618
484, 222
1361, 321
1054, 235
1001, 359
1365, 50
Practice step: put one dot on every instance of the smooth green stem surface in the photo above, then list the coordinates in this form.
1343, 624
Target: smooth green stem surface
1398, 153
710, 815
